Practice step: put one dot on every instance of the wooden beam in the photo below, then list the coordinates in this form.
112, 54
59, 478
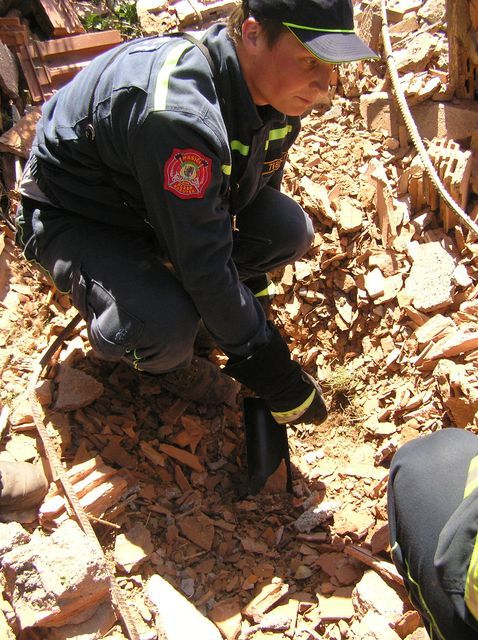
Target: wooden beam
58, 17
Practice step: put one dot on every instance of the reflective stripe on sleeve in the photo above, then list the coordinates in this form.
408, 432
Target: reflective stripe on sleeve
240, 147
471, 583
162, 81
278, 134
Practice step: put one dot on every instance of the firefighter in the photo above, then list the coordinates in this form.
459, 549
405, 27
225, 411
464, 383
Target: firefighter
152, 195
433, 519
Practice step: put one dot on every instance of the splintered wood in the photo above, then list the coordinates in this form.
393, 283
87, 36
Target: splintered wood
453, 167
58, 18
48, 65
97, 487
267, 597
462, 19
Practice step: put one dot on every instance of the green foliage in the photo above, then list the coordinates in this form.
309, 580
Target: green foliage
340, 380
122, 17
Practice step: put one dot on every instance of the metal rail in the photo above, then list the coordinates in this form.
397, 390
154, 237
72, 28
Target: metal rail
116, 594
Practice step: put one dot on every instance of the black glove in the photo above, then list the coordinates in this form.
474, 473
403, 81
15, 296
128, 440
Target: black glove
290, 393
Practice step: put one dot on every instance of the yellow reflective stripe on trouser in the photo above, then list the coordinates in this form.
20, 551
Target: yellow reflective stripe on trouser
162, 81
472, 478
286, 416
434, 629
471, 584
268, 291
136, 360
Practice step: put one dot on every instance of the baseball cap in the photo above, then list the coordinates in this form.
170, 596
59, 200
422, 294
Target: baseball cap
324, 27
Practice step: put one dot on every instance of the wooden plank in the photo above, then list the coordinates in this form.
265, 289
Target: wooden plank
13, 21
85, 44
12, 32
189, 459
384, 568
51, 64
34, 86
461, 67
61, 75
58, 17
18, 140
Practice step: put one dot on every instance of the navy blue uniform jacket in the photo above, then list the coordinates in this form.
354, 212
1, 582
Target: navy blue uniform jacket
172, 150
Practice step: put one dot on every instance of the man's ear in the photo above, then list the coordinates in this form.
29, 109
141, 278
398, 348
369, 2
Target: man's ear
251, 34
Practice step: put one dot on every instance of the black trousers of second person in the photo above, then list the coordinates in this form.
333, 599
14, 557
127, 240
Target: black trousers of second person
427, 482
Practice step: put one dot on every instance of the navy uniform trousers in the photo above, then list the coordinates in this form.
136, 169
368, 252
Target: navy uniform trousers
426, 486
125, 291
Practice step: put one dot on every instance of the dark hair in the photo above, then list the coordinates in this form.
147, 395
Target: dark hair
272, 28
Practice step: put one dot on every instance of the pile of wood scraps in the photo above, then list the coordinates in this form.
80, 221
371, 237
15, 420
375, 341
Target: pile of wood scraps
39, 53
48, 65
97, 486
18, 139
57, 18
402, 275
453, 166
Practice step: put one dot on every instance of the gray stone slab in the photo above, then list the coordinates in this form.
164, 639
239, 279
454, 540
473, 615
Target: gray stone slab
8, 72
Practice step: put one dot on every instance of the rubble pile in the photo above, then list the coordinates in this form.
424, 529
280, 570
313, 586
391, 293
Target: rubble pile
383, 310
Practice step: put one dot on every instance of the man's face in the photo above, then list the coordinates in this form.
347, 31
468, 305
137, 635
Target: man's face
286, 76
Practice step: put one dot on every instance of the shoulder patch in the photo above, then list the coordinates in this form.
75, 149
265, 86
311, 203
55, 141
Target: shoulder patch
187, 173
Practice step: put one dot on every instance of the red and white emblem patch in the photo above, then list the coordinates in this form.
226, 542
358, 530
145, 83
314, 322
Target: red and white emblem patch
187, 173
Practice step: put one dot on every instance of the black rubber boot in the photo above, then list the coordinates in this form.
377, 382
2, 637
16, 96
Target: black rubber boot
266, 444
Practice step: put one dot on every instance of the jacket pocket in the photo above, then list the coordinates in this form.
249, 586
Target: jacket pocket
112, 330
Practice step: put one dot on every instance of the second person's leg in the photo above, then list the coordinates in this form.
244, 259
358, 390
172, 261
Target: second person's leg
426, 486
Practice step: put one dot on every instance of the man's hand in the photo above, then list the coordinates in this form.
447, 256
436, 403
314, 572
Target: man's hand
291, 394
